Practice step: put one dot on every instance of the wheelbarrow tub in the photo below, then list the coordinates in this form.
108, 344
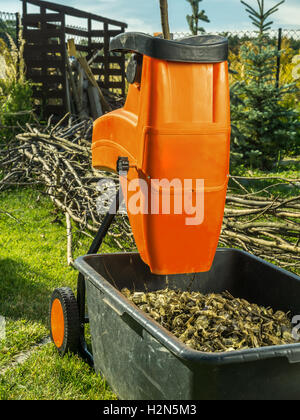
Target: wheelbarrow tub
143, 361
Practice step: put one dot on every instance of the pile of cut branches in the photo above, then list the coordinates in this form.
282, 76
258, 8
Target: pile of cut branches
262, 222
58, 157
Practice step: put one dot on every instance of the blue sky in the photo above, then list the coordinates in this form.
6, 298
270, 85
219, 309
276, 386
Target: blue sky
143, 15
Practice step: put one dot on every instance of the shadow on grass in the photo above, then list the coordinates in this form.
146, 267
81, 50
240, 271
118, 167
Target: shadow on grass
22, 294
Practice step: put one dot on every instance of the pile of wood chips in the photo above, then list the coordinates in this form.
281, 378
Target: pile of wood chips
215, 322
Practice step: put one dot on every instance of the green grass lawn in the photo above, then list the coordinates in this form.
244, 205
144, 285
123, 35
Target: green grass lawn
45, 375
32, 264
273, 180
287, 168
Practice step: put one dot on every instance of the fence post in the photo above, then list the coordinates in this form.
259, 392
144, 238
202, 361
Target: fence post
18, 42
106, 56
89, 36
17, 29
278, 58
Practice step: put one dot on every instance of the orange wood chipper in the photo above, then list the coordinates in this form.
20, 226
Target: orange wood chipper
175, 126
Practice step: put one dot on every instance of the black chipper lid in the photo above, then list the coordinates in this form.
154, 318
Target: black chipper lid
194, 49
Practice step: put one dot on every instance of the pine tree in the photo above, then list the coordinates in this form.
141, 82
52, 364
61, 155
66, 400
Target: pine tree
193, 20
264, 126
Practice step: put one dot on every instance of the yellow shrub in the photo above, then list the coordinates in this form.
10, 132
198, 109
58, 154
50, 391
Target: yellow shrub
290, 72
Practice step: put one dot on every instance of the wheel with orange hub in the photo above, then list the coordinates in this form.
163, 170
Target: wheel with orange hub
64, 320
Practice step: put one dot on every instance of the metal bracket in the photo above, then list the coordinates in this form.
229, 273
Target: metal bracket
122, 164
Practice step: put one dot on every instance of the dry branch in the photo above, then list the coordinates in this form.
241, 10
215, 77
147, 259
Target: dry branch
69, 240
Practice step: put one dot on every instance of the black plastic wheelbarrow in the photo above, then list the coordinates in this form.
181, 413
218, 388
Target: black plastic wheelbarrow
142, 360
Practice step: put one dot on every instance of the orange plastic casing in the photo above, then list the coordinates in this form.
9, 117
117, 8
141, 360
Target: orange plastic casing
175, 125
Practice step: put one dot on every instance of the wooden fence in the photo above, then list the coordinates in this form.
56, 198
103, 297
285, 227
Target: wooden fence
46, 33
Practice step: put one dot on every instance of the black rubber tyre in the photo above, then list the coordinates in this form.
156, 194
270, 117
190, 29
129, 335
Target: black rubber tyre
64, 321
